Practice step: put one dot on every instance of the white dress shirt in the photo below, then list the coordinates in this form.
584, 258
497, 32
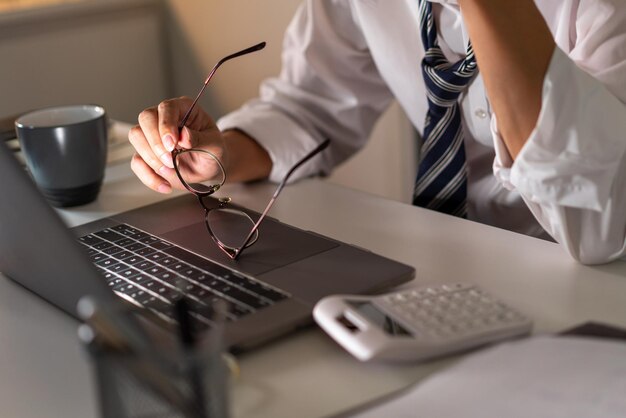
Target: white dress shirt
344, 61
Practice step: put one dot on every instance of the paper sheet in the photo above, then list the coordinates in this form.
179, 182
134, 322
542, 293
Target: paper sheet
552, 377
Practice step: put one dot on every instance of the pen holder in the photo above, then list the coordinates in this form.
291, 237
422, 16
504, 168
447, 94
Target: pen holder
186, 385
135, 388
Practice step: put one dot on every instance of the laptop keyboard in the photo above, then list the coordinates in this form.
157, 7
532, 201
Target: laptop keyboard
153, 273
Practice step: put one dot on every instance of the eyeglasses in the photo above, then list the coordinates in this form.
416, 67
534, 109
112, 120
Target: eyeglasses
231, 229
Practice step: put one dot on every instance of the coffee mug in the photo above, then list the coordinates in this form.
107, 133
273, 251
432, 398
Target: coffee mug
65, 149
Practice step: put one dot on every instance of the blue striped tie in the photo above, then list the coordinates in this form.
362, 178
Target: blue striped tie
441, 182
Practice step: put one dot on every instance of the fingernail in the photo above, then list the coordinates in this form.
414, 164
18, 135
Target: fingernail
164, 188
166, 158
168, 142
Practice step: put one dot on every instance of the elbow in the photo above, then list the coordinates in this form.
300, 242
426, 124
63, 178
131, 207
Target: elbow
593, 259
592, 252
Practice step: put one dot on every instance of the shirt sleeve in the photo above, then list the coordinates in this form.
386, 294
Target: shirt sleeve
572, 170
328, 87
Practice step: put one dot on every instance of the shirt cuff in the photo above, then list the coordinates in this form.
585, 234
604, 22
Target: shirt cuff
502, 162
573, 154
285, 141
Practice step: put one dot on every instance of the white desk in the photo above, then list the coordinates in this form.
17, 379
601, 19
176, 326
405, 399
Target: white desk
43, 371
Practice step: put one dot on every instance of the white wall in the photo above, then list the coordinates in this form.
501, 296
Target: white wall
106, 52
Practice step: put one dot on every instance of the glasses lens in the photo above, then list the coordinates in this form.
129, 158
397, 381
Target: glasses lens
231, 227
194, 166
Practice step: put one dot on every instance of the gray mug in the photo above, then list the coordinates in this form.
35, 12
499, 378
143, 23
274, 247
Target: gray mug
65, 149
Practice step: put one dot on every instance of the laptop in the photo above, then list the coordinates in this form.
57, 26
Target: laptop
149, 256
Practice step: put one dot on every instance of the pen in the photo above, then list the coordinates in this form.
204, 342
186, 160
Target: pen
194, 369
217, 376
100, 345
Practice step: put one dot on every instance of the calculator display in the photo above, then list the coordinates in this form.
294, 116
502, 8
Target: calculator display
379, 318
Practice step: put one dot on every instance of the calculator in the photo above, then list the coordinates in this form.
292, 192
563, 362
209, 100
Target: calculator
420, 323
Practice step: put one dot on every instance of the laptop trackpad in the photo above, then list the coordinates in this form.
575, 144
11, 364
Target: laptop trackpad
278, 245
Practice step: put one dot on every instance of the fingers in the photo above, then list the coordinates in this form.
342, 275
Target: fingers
147, 176
150, 169
149, 123
157, 135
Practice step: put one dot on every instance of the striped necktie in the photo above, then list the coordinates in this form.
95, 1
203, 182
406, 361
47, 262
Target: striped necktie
441, 182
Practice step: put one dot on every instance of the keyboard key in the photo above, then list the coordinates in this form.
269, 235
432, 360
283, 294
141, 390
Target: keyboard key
190, 272
145, 251
138, 294
90, 240
144, 265
134, 260
114, 249
98, 257
258, 288
139, 279
106, 262
168, 277
151, 285
156, 256
125, 229
179, 266
148, 239
103, 245
125, 287
122, 255
168, 293
246, 298
153, 273
134, 246
117, 267
155, 270
200, 293
197, 261
166, 261
140, 235
160, 245
116, 281
109, 235
128, 273
126, 241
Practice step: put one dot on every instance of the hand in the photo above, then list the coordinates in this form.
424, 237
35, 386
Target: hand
157, 135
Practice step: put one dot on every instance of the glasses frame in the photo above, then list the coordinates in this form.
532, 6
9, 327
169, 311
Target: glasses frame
232, 252
235, 252
213, 188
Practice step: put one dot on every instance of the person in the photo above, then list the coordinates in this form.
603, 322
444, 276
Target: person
543, 117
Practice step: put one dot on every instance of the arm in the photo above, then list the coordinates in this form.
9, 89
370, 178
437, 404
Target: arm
252, 162
513, 47
571, 166
329, 87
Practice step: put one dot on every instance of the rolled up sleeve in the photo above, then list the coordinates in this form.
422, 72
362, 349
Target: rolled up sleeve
572, 170
328, 88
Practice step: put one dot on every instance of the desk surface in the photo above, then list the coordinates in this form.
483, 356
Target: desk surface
46, 373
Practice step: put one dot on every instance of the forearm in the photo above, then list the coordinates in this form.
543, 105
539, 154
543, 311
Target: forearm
513, 47
247, 160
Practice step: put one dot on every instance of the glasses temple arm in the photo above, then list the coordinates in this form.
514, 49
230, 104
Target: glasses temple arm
253, 48
280, 187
